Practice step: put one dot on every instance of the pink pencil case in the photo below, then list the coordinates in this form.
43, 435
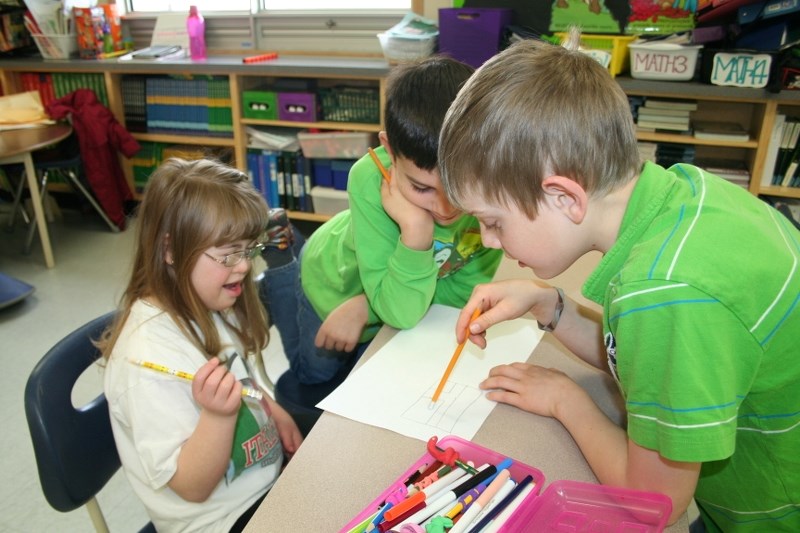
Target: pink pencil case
467, 451
564, 507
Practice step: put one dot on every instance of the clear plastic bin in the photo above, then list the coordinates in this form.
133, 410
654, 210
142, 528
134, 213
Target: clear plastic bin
56, 46
343, 145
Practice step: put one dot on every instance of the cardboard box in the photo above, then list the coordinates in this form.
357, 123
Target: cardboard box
472, 35
297, 107
260, 104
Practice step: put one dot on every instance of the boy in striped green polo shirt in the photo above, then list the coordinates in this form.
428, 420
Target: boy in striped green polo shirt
699, 285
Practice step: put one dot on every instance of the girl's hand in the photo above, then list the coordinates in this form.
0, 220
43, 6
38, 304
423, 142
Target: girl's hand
342, 329
291, 439
416, 224
499, 301
532, 388
216, 390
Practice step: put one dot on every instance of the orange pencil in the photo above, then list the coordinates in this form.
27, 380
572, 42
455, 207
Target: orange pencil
380, 166
454, 359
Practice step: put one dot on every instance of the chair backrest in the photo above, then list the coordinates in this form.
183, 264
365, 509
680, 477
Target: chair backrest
74, 447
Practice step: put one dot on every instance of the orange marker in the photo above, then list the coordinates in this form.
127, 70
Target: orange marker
454, 359
380, 166
261, 57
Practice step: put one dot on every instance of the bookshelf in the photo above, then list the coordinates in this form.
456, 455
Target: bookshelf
756, 109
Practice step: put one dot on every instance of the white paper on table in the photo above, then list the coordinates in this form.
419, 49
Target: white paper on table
393, 389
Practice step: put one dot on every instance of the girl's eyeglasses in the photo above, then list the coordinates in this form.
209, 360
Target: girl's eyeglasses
233, 259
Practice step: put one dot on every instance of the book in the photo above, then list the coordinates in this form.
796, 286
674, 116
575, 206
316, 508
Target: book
684, 105
664, 112
647, 117
791, 130
719, 130
661, 125
772, 150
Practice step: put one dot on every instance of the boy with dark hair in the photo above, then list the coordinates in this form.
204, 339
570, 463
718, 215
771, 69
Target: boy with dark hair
699, 285
399, 248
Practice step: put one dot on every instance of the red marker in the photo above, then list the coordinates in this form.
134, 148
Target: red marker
260, 58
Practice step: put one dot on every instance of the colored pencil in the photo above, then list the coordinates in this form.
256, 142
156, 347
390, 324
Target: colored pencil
380, 166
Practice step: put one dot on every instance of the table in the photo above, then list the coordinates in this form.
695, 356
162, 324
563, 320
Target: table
343, 464
16, 146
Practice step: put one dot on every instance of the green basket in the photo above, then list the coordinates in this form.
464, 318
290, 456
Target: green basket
350, 104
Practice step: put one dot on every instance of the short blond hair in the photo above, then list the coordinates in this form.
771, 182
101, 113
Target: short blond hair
533, 111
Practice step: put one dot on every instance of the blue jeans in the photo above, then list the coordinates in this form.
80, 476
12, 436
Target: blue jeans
281, 292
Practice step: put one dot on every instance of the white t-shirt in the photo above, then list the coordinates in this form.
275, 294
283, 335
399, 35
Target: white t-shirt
152, 415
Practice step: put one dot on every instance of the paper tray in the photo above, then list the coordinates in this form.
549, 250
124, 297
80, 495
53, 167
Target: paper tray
467, 451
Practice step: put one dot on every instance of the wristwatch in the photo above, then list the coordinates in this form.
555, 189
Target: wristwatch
556, 314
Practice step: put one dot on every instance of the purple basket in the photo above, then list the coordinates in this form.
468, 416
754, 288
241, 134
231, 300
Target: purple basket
472, 35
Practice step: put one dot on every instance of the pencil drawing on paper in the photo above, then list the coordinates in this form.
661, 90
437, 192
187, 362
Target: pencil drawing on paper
455, 400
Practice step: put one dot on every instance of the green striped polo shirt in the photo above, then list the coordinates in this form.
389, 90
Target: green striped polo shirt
702, 328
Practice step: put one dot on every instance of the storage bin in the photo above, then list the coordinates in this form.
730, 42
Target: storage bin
744, 68
56, 46
297, 107
328, 201
398, 49
350, 104
335, 145
611, 51
260, 104
472, 35
664, 61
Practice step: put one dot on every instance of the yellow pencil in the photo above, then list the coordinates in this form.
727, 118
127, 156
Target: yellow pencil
246, 391
454, 359
386, 175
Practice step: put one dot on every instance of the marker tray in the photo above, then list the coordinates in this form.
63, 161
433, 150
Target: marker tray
576, 506
467, 451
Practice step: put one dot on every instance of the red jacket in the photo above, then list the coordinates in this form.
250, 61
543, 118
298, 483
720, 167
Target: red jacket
100, 137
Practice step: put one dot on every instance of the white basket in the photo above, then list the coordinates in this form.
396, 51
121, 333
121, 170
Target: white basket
348, 145
56, 46
404, 48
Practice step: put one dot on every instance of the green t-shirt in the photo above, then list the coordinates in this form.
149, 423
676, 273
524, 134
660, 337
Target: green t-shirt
359, 251
702, 330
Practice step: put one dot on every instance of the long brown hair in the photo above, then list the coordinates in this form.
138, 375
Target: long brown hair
188, 207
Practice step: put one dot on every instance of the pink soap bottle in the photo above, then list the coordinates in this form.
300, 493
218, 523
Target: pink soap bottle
196, 28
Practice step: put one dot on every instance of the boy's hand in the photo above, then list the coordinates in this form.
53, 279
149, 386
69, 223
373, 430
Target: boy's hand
291, 439
416, 224
499, 301
342, 329
216, 390
532, 388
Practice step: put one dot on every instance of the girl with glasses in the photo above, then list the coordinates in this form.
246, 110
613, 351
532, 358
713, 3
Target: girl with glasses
201, 455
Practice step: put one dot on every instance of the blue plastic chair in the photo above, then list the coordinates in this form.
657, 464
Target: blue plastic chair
74, 447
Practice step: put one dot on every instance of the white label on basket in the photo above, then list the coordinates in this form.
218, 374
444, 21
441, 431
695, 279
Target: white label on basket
741, 70
670, 63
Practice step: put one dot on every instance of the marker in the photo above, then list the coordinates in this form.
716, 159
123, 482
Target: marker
465, 501
261, 57
507, 487
387, 525
502, 518
436, 504
469, 515
443, 500
454, 359
380, 166
379, 517
246, 391
505, 502
421, 496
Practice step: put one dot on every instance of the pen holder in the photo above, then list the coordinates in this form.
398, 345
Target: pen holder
56, 46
